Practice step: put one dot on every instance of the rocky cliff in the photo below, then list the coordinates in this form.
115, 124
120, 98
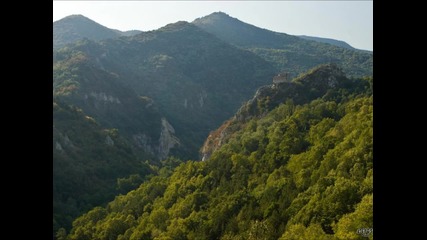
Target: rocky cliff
167, 139
324, 81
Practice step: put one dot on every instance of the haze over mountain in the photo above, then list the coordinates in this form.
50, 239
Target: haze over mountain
286, 52
331, 41
163, 91
124, 106
76, 27
296, 168
196, 80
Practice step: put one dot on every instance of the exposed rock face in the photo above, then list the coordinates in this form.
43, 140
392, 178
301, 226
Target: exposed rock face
144, 142
185, 103
63, 142
109, 141
202, 96
58, 146
167, 139
301, 90
102, 97
67, 141
214, 141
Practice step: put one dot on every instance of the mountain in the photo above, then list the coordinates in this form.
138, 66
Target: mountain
152, 95
328, 81
299, 167
125, 108
286, 52
195, 80
76, 27
178, 79
241, 34
331, 41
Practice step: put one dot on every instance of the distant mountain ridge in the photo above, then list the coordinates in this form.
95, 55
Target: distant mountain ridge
161, 91
146, 97
76, 27
286, 52
182, 69
331, 41
242, 34
73, 30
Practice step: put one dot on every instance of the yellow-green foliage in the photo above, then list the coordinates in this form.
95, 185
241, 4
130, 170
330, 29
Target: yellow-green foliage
299, 172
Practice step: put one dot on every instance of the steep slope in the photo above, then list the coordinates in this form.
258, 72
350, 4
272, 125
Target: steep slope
331, 41
195, 80
102, 95
77, 27
160, 93
301, 169
286, 52
326, 81
87, 161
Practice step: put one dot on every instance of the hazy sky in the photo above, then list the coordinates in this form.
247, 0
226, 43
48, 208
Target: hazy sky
350, 21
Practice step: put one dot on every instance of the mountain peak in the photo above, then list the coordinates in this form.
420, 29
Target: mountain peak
75, 16
176, 26
76, 27
215, 18
239, 33
219, 13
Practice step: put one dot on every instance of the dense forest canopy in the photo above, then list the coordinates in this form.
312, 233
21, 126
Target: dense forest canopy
178, 133
298, 171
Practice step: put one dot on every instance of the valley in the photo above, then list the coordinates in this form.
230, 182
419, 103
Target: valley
180, 133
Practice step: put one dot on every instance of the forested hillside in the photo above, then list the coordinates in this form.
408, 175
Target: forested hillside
91, 164
131, 108
180, 73
159, 98
300, 168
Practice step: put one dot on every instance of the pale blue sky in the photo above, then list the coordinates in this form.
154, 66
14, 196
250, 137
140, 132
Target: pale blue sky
350, 21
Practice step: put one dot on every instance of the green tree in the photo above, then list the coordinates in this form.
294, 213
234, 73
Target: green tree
361, 218
300, 232
61, 234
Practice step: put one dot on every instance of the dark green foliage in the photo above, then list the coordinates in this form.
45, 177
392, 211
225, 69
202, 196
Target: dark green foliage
325, 81
297, 171
101, 94
179, 72
123, 88
275, 167
183, 74
87, 161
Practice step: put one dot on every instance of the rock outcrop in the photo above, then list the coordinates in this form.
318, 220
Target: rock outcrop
167, 139
316, 83
144, 142
109, 141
